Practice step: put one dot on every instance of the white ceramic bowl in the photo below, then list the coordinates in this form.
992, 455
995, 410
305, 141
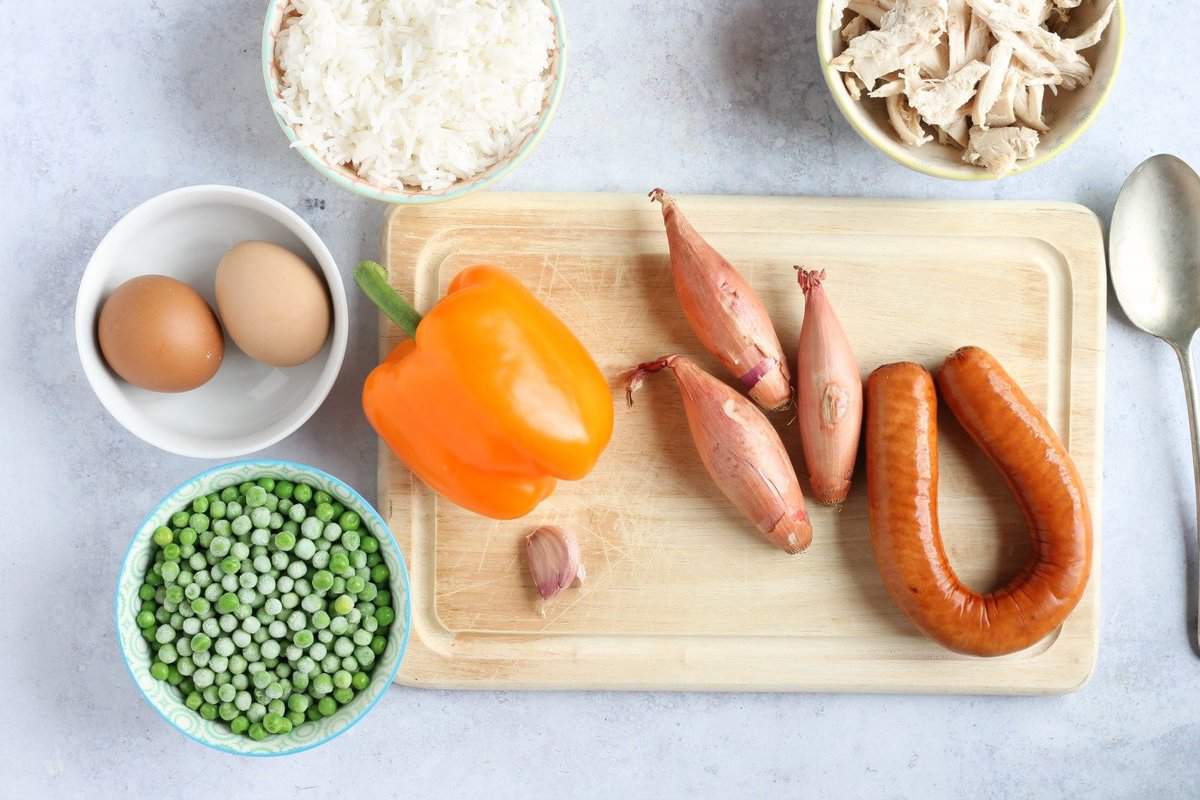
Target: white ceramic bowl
347, 178
167, 700
1069, 115
247, 405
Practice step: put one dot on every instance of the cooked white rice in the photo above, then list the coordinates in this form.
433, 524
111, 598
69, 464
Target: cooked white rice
414, 93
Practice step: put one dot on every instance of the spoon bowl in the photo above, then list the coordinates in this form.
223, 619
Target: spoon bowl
1154, 249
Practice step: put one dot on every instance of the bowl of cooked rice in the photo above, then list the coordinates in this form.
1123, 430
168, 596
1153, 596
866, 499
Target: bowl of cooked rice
414, 101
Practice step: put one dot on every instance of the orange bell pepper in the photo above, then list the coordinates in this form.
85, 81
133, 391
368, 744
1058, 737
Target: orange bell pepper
492, 399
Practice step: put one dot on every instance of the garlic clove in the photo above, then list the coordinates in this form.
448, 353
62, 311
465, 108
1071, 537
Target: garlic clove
554, 561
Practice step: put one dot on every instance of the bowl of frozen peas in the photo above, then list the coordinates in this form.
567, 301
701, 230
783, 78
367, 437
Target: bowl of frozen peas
263, 608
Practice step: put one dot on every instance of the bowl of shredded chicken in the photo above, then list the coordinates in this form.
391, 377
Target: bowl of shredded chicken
970, 89
413, 101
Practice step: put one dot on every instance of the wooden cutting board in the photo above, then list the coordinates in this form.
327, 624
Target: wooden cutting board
681, 594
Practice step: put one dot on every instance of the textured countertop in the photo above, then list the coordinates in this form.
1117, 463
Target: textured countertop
107, 103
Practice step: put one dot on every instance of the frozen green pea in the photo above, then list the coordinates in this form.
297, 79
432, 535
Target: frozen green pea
343, 604
338, 625
219, 546
230, 566
279, 560
266, 584
297, 514
297, 621
284, 541
240, 551
332, 532
311, 603
339, 563
240, 638
384, 615
275, 521
260, 537
305, 549
311, 528
358, 560
198, 522
163, 536
355, 584
378, 644
365, 656
216, 509
316, 653
277, 630
164, 634
233, 509
241, 525
323, 512
284, 584
203, 678
256, 496
343, 647
351, 541
330, 663
324, 636
262, 565
302, 493
380, 574
341, 679
320, 620
260, 517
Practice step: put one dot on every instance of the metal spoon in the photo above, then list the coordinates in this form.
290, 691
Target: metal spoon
1154, 257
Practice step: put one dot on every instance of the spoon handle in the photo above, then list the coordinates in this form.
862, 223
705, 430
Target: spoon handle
1193, 394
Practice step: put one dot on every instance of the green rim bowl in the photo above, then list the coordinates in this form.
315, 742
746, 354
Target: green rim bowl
167, 701
1070, 114
348, 179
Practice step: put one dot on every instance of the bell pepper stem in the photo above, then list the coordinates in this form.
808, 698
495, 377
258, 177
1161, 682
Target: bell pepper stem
372, 279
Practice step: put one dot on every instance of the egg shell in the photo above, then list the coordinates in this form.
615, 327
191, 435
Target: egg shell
274, 305
158, 333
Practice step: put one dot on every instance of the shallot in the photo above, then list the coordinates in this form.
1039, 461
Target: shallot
727, 316
829, 396
741, 451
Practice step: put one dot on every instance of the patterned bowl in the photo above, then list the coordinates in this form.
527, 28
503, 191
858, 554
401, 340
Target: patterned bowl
343, 176
167, 700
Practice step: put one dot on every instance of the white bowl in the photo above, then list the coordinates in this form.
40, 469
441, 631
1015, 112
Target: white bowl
1068, 115
247, 405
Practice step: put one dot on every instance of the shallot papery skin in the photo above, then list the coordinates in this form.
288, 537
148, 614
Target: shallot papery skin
741, 451
727, 316
829, 395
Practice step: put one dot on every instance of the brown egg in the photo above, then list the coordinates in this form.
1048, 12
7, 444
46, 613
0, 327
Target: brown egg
159, 334
274, 306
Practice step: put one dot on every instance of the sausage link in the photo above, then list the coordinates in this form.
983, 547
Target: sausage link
902, 475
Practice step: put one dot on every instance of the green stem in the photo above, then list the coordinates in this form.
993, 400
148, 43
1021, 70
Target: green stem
373, 280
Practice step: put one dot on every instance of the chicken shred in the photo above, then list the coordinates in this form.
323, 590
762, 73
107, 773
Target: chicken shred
999, 149
938, 101
975, 71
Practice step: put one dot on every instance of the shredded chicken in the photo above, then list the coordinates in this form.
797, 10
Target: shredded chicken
938, 101
974, 71
855, 28
906, 121
904, 32
999, 149
998, 62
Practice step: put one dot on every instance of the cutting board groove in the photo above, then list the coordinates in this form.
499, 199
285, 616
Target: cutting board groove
681, 594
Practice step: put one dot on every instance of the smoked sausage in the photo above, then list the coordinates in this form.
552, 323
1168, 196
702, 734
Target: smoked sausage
902, 476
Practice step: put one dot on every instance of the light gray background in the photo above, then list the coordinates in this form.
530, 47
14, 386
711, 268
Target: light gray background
109, 102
